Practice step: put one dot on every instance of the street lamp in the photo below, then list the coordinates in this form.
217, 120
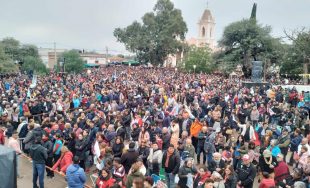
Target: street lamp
194, 68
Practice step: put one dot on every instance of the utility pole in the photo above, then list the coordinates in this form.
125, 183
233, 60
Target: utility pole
55, 57
107, 52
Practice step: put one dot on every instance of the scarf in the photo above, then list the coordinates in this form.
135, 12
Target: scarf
169, 154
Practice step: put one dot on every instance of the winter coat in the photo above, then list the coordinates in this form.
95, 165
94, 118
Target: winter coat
183, 175
100, 183
212, 165
117, 149
80, 147
49, 147
265, 167
135, 134
173, 163
201, 139
166, 140
38, 154
129, 158
191, 150
64, 162
267, 183
295, 141
131, 177
29, 140
281, 172
231, 181
75, 176
246, 174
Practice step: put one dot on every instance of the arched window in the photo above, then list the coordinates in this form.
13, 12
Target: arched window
203, 33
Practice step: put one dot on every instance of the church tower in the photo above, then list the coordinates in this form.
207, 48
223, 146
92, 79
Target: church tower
206, 27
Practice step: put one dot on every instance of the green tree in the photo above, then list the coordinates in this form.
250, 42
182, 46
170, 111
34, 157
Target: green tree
35, 64
72, 61
253, 13
161, 33
11, 48
199, 57
6, 63
244, 41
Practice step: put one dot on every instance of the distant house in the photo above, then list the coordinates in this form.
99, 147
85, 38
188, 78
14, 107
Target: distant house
94, 58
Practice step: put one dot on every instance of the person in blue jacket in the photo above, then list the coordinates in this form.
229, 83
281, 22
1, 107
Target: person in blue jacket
75, 175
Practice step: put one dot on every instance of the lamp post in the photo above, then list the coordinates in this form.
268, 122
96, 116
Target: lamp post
194, 68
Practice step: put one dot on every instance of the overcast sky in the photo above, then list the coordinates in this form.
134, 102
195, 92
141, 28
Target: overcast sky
89, 24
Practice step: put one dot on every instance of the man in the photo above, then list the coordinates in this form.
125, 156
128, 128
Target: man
14, 144
129, 157
201, 140
296, 139
75, 175
217, 163
284, 142
189, 149
281, 171
118, 170
48, 145
166, 138
171, 164
304, 142
209, 183
154, 159
144, 152
39, 156
246, 172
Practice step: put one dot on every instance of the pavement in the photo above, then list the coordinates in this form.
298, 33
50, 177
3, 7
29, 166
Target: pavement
25, 170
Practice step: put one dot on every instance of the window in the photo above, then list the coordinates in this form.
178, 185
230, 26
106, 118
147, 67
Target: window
203, 32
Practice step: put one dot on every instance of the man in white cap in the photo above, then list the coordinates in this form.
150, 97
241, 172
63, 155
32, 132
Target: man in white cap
246, 172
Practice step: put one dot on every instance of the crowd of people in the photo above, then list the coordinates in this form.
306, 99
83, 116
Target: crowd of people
154, 127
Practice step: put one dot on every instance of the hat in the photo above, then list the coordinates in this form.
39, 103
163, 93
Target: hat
267, 153
245, 157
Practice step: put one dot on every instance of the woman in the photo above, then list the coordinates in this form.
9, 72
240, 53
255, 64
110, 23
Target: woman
57, 147
254, 115
218, 180
267, 163
301, 161
134, 173
71, 143
118, 147
144, 135
230, 178
186, 173
64, 161
237, 154
105, 179
201, 176
76, 129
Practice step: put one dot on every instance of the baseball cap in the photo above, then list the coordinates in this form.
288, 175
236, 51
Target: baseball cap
245, 157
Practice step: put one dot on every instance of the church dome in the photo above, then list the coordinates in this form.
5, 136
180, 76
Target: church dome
206, 15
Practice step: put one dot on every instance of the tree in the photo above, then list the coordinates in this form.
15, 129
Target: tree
253, 13
72, 61
161, 33
6, 63
31, 63
11, 48
199, 57
244, 41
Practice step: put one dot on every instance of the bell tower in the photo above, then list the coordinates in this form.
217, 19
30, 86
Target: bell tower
206, 27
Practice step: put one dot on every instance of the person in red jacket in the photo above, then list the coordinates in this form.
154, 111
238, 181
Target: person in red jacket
267, 182
2, 136
64, 161
281, 171
105, 179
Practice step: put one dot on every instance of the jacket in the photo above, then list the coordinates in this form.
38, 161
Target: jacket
2, 138
129, 158
38, 154
131, 177
64, 162
201, 139
117, 149
183, 175
281, 172
29, 140
195, 129
231, 181
213, 165
266, 183
166, 140
191, 150
75, 176
246, 174
80, 148
100, 183
155, 157
49, 147
295, 141
173, 164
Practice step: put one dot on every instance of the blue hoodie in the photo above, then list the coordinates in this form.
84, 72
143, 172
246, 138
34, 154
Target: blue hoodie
76, 177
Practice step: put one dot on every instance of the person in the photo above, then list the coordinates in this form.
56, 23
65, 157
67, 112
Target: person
148, 182
64, 161
138, 182
29, 139
201, 176
134, 173
267, 181
284, 142
267, 162
130, 157
154, 159
75, 175
118, 147
281, 171
218, 180
186, 173
209, 183
246, 172
39, 156
118, 170
201, 140
230, 178
48, 145
248, 131
171, 164
2, 136
189, 149
217, 163
105, 180
14, 144
57, 147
